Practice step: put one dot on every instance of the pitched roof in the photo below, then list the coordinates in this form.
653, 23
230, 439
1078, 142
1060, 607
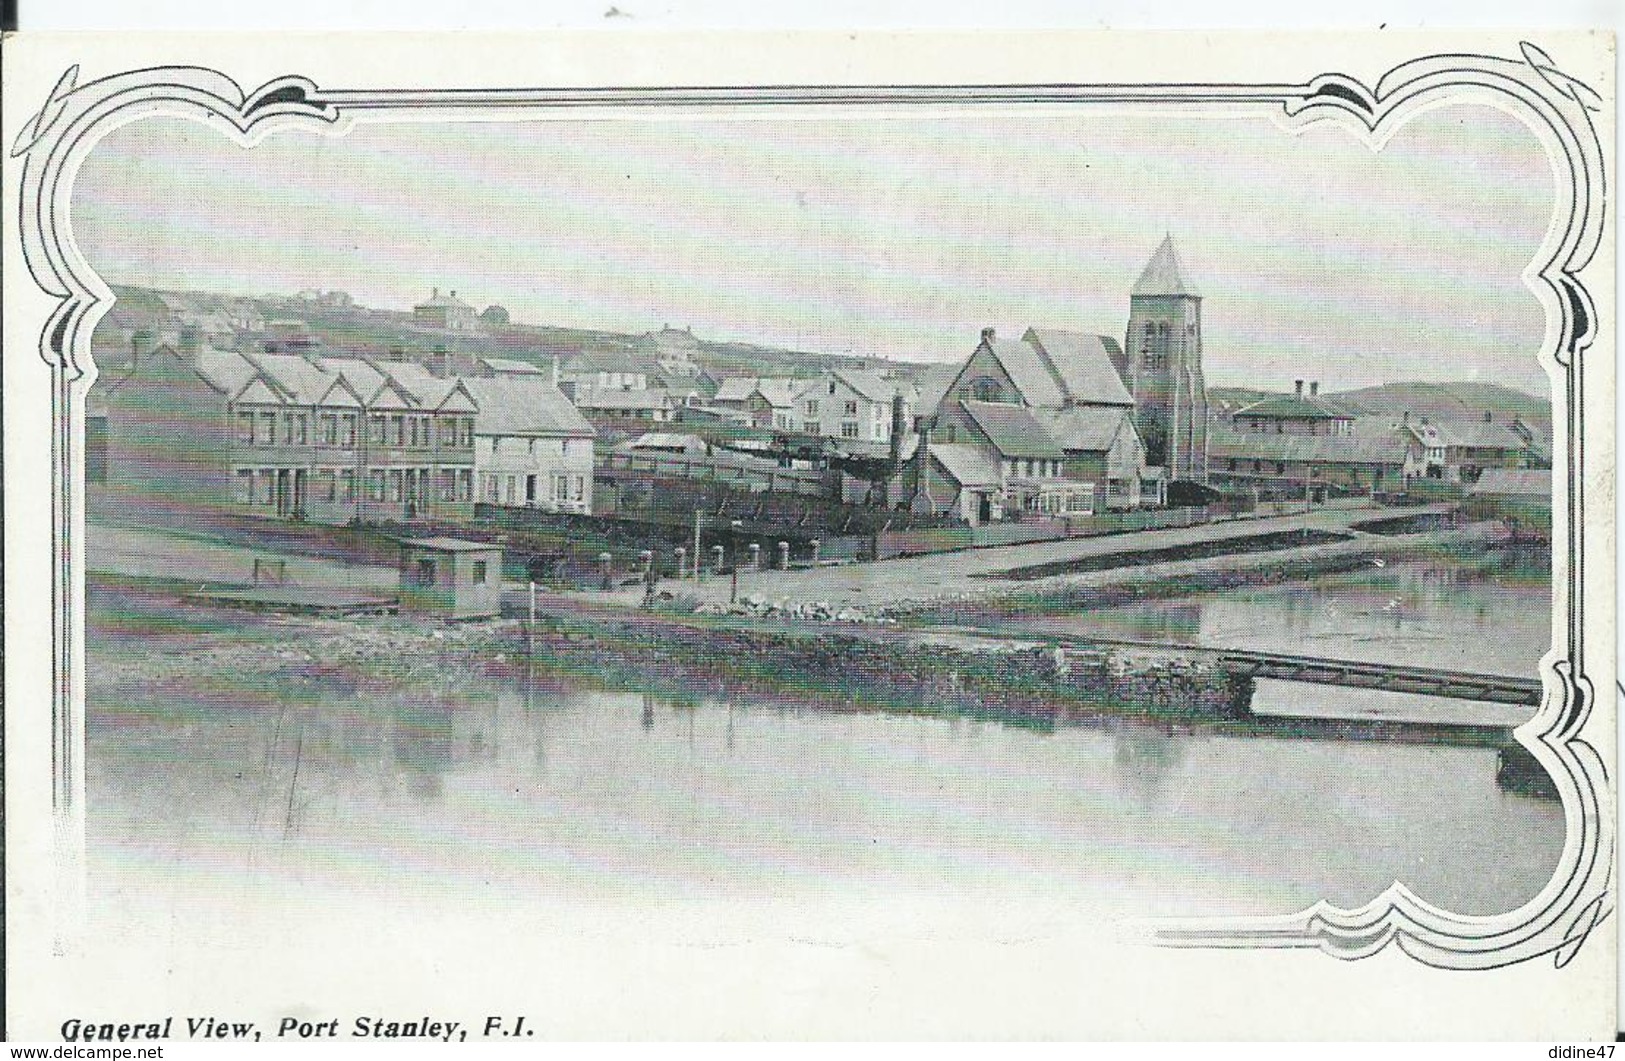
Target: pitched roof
1514, 482
224, 370
1468, 434
507, 366
1027, 370
1087, 428
779, 392
1163, 276
1013, 430
870, 385
1295, 407
437, 299
1085, 364
1225, 444
933, 384
524, 405
968, 464
735, 388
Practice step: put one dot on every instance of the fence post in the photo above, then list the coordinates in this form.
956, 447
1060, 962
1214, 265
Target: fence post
815, 543
603, 564
716, 560
755, 556
784, 556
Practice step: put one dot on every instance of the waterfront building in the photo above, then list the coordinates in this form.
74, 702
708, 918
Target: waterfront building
1162, 367
451, 578
1285, 465
532, 448
194, 429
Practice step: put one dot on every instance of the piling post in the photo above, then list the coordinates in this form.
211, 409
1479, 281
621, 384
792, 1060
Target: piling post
784, 556
604, 568
755, 556
716, 560
816, 544
682, 563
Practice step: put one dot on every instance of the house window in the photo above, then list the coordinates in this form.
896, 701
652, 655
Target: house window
267, 435
479, 572
810, 427
849, 429
580, 487
425, 572
812, 407
245, 486
513, 487
491, 488
397, 485
468, 432
465, 485
987, 389
1258, 466
530, 489
347, 486
1280, 467
375, 486
330, 429
376, 426
245, 428
414, 432
349, 431
397, 426
301, 429
326, 486
1231, 464
851, 408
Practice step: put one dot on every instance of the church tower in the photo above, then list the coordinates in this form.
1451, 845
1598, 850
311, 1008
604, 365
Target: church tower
1163, 355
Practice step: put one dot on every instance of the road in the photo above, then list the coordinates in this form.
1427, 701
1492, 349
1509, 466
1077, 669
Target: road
943, 576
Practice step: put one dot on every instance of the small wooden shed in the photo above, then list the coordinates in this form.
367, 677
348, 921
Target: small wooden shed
451, 577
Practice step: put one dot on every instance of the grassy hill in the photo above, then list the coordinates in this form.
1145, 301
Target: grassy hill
1462, 400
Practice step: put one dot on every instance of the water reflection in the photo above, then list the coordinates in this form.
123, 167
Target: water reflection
527, 783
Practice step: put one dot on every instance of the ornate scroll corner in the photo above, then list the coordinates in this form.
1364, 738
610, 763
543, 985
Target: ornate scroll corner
34, 130
288, 95
1590, 917
1343, 93
1563, 84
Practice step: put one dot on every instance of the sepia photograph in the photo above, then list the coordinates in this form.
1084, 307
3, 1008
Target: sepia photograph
1159, 503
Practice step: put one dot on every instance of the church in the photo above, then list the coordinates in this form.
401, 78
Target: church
1065, 423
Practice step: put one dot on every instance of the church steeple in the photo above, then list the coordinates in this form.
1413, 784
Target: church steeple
1163, 350
1163, 275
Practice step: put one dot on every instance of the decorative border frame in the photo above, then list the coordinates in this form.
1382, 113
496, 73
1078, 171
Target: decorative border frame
1557, 107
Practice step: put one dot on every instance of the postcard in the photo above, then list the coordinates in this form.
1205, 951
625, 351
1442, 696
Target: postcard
809, 536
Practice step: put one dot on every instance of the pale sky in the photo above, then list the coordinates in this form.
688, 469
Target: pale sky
880, 235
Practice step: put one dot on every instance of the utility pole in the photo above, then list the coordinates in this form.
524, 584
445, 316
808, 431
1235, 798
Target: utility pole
697, 518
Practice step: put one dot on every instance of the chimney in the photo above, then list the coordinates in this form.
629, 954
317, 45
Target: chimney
1298, 384
191, 343
142, 344
1314, 387
555, 370
434, 293
987, 335
1405, 418
1487, 416
454, 292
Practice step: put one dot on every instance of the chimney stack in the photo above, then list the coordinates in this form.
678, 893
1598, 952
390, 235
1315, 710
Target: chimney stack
1314, 387
897, 427
987, 335
191, 343
1298, 385
142, 344
434, 293
555, 370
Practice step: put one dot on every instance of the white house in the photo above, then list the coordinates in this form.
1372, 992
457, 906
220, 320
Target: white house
851, 405
532, 448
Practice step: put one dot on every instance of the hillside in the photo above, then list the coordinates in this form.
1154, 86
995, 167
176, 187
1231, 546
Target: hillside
1462, 400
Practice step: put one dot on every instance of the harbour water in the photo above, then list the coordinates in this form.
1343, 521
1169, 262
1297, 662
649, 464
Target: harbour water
537, 786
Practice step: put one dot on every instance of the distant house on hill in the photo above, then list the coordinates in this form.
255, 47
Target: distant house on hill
673, 349
445, 312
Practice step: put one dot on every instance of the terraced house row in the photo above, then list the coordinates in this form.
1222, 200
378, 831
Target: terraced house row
335, 439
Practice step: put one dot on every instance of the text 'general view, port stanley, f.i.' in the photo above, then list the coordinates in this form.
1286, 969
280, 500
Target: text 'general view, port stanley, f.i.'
857, 526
